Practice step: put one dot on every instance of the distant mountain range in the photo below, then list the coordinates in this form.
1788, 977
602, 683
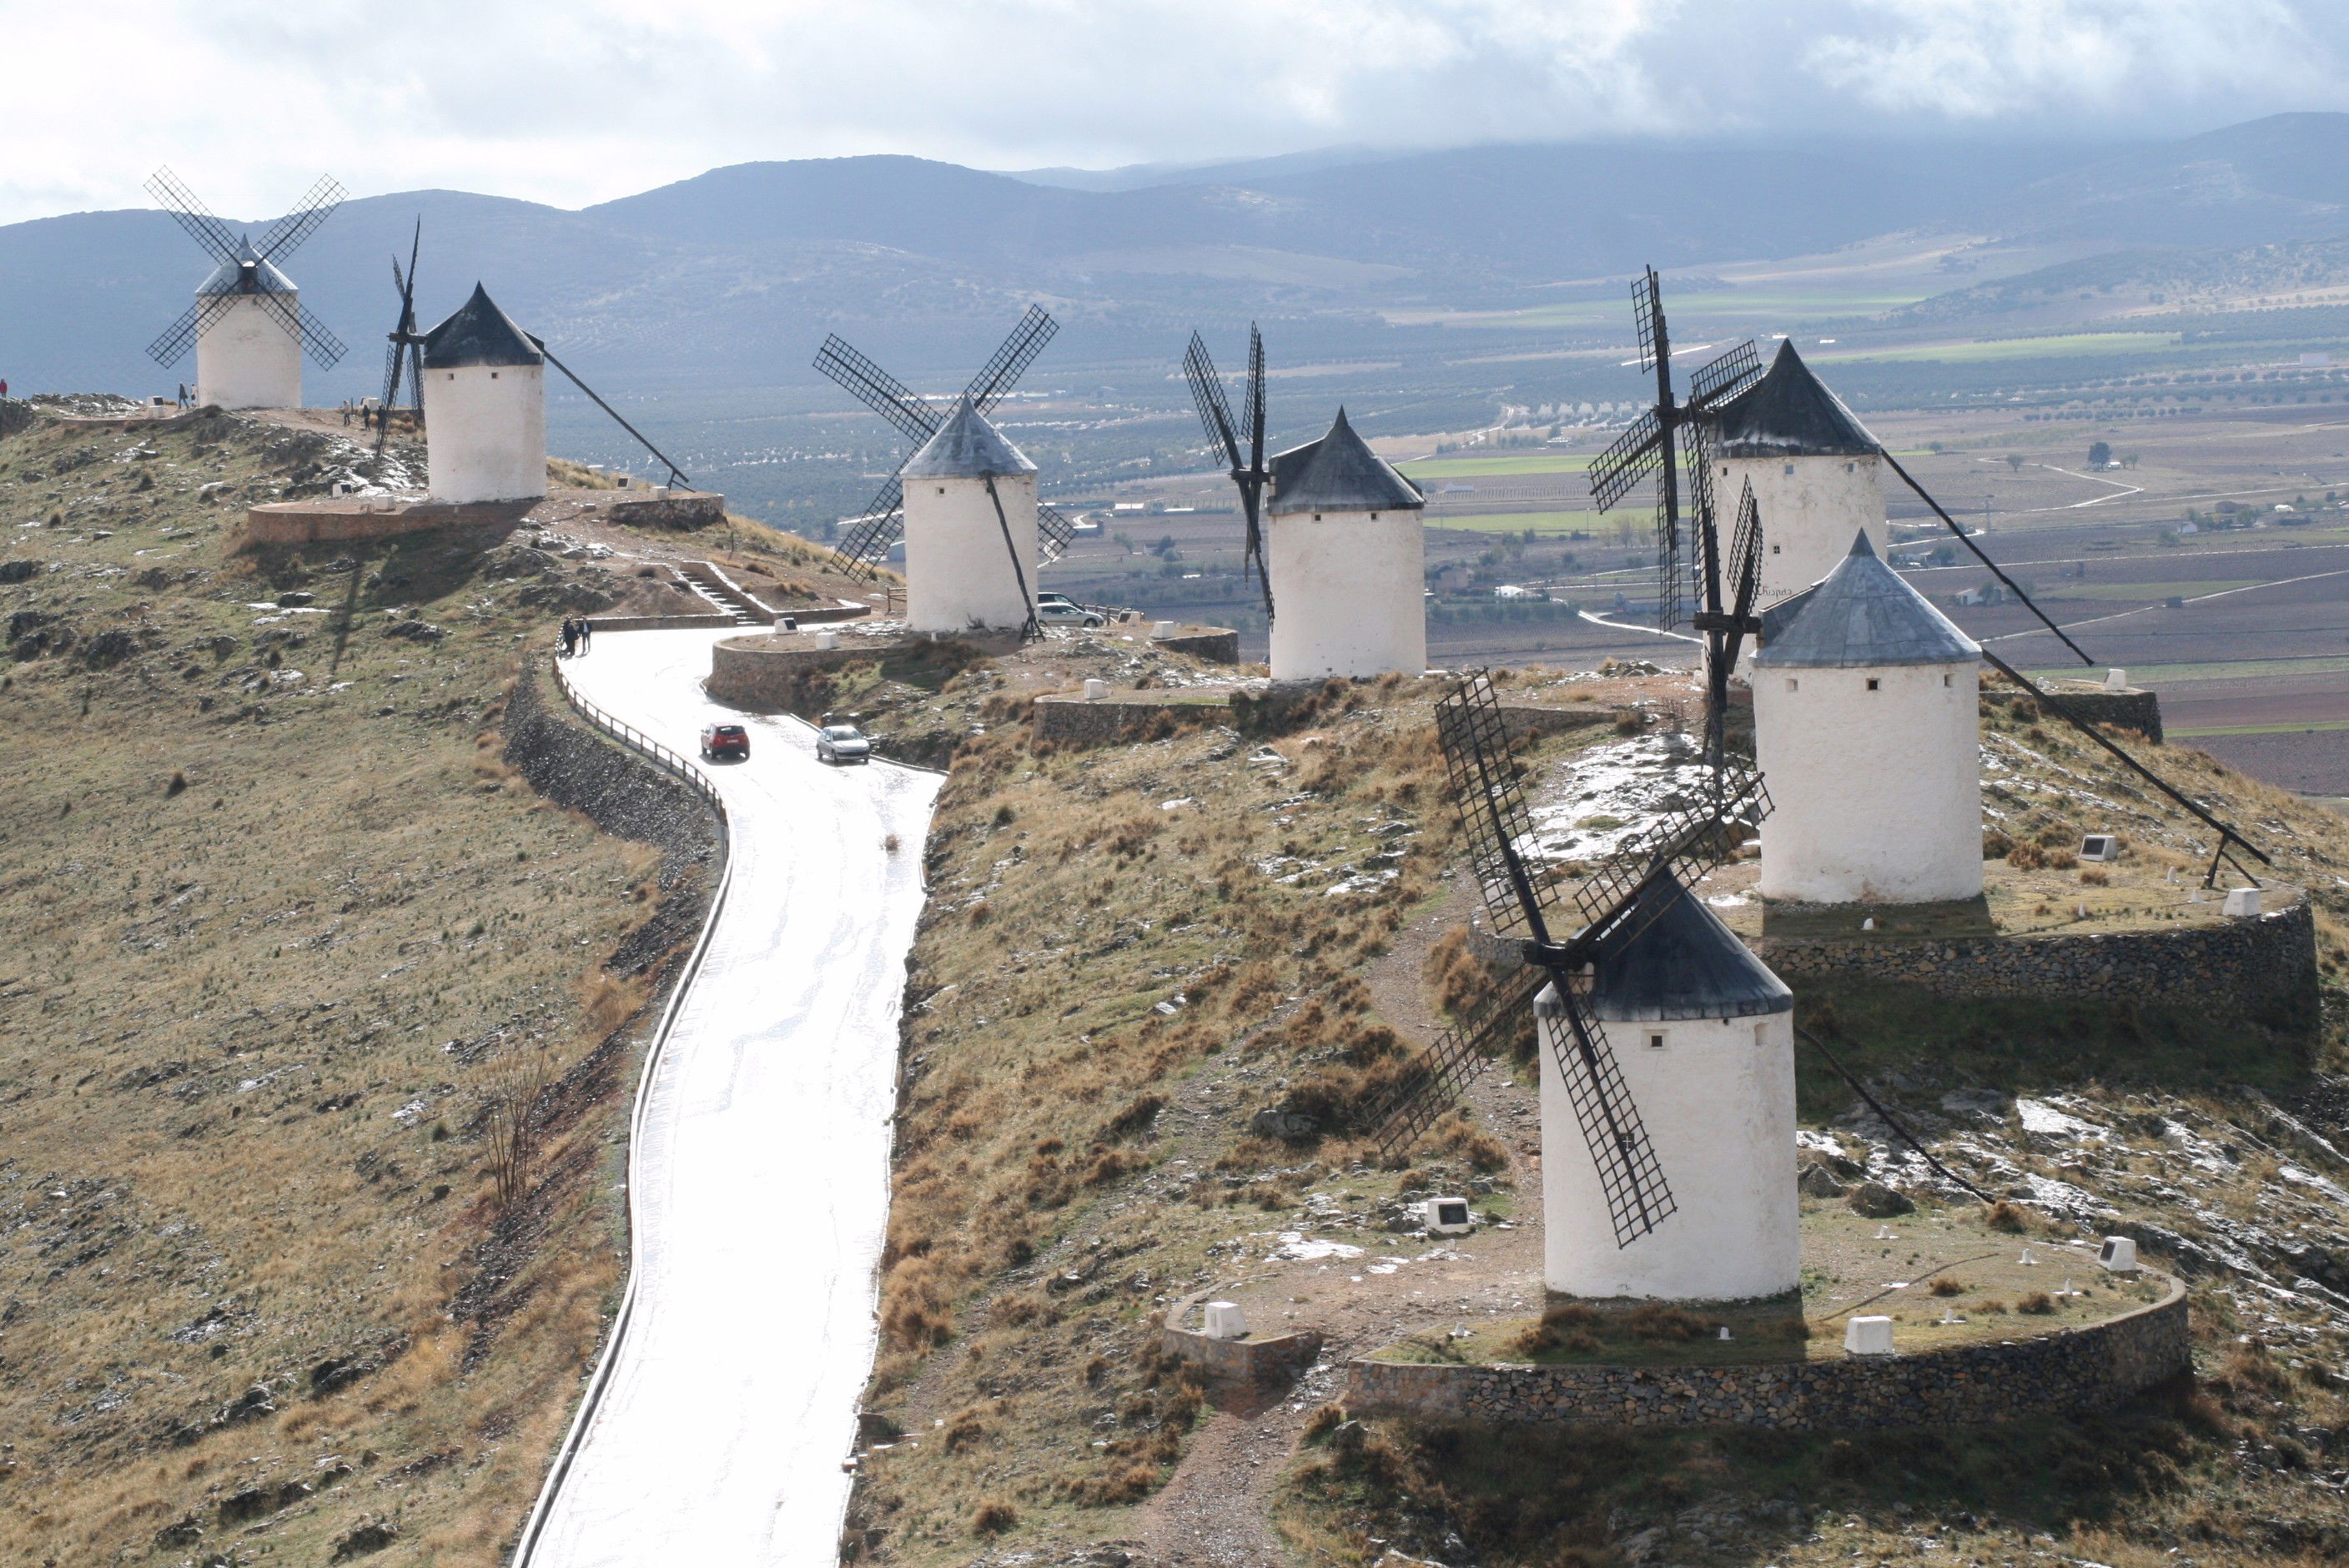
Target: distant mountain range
729, 279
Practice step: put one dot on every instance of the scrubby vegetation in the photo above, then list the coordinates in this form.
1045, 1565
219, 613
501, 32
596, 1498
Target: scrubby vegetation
319, 1023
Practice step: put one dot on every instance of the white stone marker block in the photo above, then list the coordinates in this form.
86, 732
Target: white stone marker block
1867, 1337
1225, 1321
2117, 680
827, 639
1446, 1216
2242, 902
2118, 1254
1095, 690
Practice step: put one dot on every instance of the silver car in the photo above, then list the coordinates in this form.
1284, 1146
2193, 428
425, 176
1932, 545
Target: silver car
839, 743
1063, 613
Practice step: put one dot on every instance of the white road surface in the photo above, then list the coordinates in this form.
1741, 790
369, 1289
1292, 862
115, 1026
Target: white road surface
762, 1170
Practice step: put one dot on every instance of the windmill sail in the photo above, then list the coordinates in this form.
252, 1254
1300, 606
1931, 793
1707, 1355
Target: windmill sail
867, 543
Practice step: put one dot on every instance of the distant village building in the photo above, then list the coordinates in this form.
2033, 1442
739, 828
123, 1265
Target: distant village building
245, 358
1702, 1032
1815, 471
1343, 540
970, 529
1866, 724
484, 385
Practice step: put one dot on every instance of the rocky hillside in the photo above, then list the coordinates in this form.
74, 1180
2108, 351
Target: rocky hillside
320, 1022
1157, 983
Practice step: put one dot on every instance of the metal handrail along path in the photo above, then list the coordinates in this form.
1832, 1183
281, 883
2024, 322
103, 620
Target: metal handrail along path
600, 1378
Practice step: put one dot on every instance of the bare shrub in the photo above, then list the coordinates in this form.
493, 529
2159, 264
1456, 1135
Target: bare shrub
515, 1085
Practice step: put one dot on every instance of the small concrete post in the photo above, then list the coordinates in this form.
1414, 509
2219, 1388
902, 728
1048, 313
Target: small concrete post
1446, 1216
2242, 902
827, 639
1095, 689
2117, 680
1867, 1337
1225, 1321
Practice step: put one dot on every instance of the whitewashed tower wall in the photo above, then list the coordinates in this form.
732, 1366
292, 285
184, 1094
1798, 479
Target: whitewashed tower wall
246, 358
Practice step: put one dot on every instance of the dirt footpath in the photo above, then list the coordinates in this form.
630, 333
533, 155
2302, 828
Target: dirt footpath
1216, 1511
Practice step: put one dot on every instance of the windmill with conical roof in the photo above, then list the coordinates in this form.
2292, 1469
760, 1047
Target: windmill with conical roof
484, 389
1816, 471
1866, 717
1343, 539
247, 326
969, 505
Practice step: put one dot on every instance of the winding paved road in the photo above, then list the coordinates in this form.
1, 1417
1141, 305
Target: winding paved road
761, 1173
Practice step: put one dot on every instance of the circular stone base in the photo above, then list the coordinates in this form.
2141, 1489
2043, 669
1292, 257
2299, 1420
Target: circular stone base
1986, 1326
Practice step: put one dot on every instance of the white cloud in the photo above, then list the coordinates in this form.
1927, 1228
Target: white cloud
1975, 59
576, 102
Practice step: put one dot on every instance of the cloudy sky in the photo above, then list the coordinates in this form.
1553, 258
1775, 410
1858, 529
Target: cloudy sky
573, 101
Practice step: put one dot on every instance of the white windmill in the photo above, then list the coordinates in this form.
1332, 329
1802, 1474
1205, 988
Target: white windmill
1867, 718
970, 529
1816, 471
483, 381
247, 326
1343, 539
973, 567
1667, 1049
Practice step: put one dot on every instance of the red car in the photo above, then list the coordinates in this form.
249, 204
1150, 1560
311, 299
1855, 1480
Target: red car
725, 740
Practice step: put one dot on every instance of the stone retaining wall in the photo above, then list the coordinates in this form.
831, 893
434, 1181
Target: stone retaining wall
752, 672
2245, 965
681, 511
1250, 1361
622, 794
2079, 1369
1217, 645
2137, 711
1128, 717
325, 521
712, 621
1525, 720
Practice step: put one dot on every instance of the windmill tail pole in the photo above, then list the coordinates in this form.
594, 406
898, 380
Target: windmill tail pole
1909, 480
2226, 835
1028, 600
1890, 1120
676, 474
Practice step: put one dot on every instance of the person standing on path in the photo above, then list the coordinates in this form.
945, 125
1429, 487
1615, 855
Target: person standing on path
570, 632
586, 633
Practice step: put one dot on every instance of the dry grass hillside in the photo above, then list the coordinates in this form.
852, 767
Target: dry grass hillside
290, 950
1134, 950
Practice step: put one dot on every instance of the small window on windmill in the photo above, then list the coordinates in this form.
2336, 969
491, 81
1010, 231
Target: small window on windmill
1655, 1039
2100, 847
1851, 468
1316, 517
1949, 680
1793, 684
1374, 517
1874, 684
1790, 469
1777, 548
493, 376
942, 490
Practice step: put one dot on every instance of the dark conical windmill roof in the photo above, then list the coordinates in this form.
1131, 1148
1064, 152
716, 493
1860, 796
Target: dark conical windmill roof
1680, 962
231, 276
1339, 473
966, 448
1790, 413
478, 333
1860, 616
